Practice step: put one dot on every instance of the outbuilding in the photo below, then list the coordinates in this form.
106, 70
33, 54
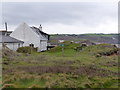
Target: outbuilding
10, 42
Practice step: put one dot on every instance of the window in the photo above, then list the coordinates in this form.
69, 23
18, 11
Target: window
31, 45
18, 44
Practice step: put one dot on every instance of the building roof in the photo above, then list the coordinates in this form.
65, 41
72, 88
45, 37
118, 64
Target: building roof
38, 31
8, 39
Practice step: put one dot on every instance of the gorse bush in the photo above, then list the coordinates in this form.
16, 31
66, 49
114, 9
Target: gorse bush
105, 49
26, 49
108, 53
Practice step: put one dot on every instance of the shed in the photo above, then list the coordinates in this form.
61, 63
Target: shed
10, 42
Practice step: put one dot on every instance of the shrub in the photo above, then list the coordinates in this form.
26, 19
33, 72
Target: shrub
108, 52
78, 48
26, 49
98, 55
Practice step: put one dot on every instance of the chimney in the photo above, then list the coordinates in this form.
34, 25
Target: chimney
40, 27
6, 28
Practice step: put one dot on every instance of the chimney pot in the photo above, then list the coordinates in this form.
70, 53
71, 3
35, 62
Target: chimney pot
40, 27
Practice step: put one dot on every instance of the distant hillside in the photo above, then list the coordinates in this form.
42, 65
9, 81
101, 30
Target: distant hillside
100, 38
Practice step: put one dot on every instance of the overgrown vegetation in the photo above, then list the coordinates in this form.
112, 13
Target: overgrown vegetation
26, 49
76, 69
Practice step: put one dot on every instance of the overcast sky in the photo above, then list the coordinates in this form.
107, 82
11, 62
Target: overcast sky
63, 17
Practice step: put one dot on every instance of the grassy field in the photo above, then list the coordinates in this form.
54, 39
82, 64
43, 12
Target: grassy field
100, 38
70, 69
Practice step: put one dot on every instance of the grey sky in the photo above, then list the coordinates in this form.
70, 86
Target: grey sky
61, 17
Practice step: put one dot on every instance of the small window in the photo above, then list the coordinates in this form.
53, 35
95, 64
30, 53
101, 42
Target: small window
31, 45
18, 44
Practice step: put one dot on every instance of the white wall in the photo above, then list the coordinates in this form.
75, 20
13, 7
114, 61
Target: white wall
43, 45
13, 46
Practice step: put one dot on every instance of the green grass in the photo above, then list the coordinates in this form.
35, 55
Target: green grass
23, 71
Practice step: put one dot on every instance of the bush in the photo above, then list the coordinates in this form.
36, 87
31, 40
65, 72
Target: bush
109, 52
78, 48
26, 49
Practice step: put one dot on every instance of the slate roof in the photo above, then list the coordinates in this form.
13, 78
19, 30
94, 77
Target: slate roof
8, 39
38, 31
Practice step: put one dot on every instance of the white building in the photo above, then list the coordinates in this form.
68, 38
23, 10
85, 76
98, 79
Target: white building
31, 35
10, 42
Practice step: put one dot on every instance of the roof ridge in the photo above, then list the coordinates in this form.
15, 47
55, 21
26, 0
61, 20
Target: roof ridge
39, 30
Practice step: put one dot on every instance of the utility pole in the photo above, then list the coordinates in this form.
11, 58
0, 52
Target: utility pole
62, 49
62, 46
90, 48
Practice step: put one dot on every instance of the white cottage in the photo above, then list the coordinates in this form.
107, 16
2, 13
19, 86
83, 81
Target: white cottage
31, 35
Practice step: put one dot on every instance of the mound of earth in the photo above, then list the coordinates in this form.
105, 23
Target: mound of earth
6, 52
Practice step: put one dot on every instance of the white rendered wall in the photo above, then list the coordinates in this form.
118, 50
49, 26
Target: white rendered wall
43, 45
13, 46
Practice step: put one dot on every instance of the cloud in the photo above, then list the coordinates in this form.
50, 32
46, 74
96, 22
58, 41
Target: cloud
61, 15
106, 27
